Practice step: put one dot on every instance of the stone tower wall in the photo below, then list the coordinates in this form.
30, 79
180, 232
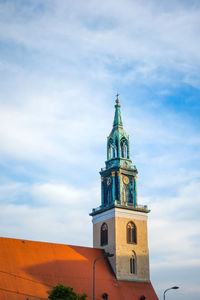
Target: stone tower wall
117, 220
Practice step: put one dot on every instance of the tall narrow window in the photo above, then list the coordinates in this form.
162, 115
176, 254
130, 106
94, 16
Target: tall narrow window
122, 148
125, 151
110, 149
131, 233
113, 152
104, 234
109, 196
133, 263
116, 149
109, 152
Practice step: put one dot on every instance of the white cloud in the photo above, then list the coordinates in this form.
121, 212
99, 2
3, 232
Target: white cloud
174, 231
38, 129
149, 36
54, 213
55, 194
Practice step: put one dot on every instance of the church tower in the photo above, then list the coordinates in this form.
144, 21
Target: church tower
120, 223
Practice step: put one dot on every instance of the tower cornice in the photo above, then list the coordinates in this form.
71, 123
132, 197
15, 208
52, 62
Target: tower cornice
139, 208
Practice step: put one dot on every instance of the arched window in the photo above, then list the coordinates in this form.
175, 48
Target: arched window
124, 148
104, 234
111, 149
131, 233
133, 263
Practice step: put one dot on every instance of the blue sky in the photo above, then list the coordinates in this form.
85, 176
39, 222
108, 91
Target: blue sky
61, 65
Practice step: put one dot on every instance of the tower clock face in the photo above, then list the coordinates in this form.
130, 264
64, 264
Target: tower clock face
108, 181
125, 179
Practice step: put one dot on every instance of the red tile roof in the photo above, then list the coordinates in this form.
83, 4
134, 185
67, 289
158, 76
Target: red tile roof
31, 269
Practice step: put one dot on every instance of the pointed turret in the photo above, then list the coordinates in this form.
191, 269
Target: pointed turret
118, 178
117, 119
118, 147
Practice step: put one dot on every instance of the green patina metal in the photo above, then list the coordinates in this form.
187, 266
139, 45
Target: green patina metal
118, 178
117, 119
118, 152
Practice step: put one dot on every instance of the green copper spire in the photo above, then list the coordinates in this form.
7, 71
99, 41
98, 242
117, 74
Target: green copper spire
117, 119
119, 177
118, 153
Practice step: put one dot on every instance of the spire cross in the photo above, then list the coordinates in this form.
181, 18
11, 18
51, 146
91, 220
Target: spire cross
117, 100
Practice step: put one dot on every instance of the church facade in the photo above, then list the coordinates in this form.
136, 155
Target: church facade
120, 223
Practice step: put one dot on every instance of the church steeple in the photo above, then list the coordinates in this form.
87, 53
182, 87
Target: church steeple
118, 147
119, 223
119, 178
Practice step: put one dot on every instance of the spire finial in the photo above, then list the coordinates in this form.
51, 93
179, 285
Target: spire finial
117, 99
117, 118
